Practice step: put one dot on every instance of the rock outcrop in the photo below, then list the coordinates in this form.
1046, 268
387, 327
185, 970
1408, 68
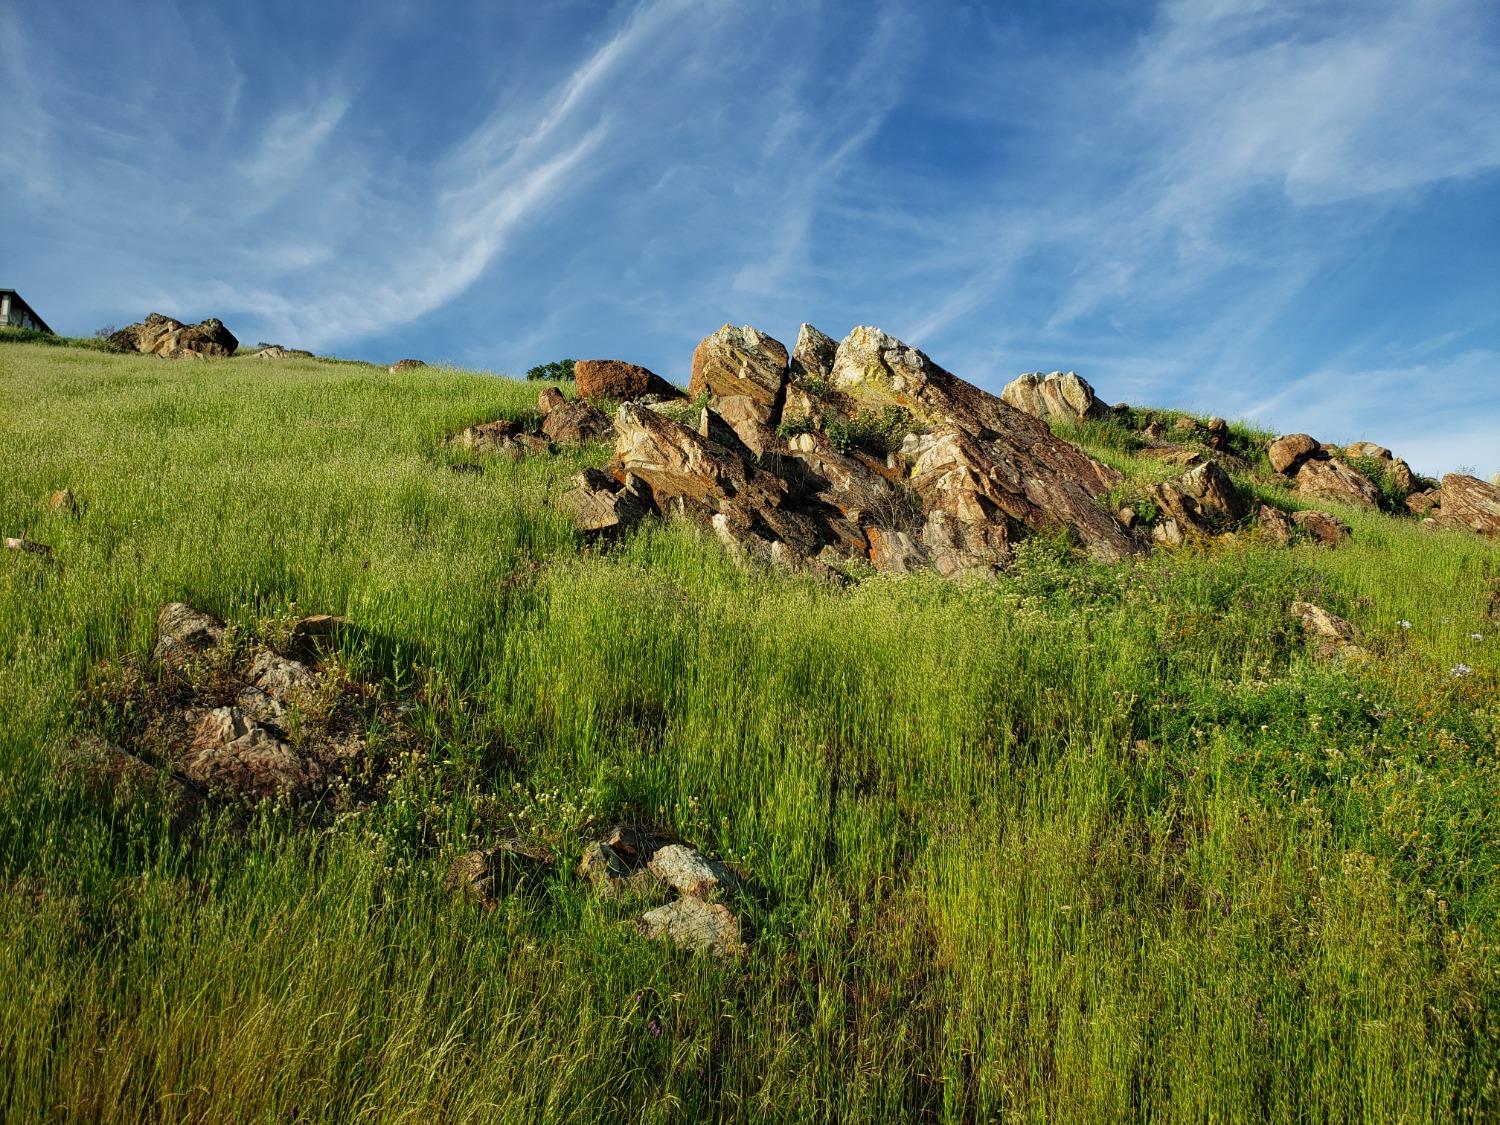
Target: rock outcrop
1328, 635
405, 365
571, 423
1322, 527
1316, 472
1202, 500
1470, 504
171, 339
1061, 394
891, 460
615, 380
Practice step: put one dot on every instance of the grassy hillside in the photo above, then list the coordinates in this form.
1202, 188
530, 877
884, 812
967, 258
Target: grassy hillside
1090, 843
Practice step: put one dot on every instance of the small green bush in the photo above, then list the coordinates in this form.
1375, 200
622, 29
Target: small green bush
560, 370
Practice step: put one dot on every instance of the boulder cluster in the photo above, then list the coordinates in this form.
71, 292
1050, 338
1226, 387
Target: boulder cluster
859, 451
171, 339
1460, 502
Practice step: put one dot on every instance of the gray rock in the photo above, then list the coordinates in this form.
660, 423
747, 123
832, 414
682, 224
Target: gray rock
689, 872
694, 924
182, 632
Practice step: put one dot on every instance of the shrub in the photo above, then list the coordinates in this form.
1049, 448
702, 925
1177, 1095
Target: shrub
560, 370
876, 433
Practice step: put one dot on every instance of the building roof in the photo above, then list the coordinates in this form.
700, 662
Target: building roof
17, 299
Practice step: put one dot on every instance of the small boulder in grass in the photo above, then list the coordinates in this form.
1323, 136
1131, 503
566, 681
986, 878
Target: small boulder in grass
63, 503
617, 861
1323, 527
1328, 635
183, 632
490, 874
689, 872
402, 365
691, 923
27, 545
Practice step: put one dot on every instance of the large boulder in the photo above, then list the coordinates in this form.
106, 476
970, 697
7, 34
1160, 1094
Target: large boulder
171, 339
1288, 452
1467, 502
1060, 394
1200, 501
618, 381
1332, 479
574, 423
742, 362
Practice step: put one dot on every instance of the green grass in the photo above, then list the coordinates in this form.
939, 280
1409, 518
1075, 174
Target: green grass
1089, 844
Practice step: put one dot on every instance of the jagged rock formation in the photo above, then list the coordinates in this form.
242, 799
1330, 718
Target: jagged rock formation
1317, 471
171, 339
1056, 395
870, 452
1467, 503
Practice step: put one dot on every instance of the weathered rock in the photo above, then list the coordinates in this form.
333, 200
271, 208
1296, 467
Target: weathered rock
490, 874
171, 339
550, 399
1200, 501
813, 355
1274, 525
617, 862
1288, 452
280, 677
574, 423
276, 351
896, 552
127, 776
694, 924
63, 503
1218, 434
1399, 473
1322, 527
1328, 635
182, 632
746, 419
1422, 503
1007, 456
742, 362
1056, 395
1367, 449
689, 872
232, 755
602, 505
316, 635
405, 365
1470, 504
1331, 479
1172, 453
618, 381
502, 437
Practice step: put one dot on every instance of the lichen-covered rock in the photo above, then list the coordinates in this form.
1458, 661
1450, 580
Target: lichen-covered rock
182, 632
1367, 449
1060, 394
280, 677
742, 362
1274, 526
1470, 504
1200, 501
616, 863
1288, 452
692, 923
618, 381
602, 505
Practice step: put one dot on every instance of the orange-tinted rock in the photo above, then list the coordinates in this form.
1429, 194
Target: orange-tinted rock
1286, 453
1332, 479
1471, 504
618, 381
744, 362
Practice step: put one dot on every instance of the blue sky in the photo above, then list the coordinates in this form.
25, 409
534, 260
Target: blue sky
1288, 212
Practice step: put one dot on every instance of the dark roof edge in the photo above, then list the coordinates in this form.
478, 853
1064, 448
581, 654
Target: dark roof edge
36, 316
